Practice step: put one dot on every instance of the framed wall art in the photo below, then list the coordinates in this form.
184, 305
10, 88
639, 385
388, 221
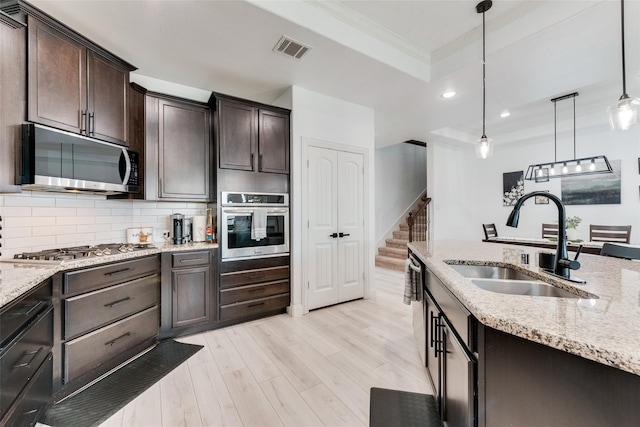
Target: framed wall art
512, 187
601, 189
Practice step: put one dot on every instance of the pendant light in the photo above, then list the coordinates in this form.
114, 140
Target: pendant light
484, 146
626, 113
542, 172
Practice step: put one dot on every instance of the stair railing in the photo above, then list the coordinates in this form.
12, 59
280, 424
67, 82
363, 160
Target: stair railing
418, 222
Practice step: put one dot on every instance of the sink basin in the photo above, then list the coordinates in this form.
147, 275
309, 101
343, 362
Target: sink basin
506, 280
522, 287
491, 272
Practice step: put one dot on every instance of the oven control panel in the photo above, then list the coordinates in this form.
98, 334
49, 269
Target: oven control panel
254, 199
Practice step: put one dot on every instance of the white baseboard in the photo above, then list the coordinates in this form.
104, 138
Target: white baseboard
295, 310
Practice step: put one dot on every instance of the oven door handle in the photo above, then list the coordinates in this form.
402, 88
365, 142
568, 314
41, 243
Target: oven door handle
249, 211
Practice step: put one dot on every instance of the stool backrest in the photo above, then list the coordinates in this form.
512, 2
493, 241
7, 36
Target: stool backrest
489, 230
610, 233
549, 231
620, 251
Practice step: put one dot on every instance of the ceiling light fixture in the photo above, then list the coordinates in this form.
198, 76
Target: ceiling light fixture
504, 114
626, 113
448, 94
484, 146
542, 172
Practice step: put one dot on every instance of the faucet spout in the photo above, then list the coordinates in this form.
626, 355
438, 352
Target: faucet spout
562, 256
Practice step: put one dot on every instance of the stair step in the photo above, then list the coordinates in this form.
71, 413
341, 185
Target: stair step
393, 252
404, 235
390, 263
396, 243
404, 226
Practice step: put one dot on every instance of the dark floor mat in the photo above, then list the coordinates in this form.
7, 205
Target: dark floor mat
104, 398
402, 408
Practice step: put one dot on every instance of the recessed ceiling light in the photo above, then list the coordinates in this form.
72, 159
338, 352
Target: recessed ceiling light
505, 113
448, 94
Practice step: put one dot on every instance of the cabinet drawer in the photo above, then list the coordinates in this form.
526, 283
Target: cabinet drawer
88, 311
17, 315
36, 397
456, 313
250, 292
23, 356
100, 277
249, 308
91, 350
190, 259
247, 277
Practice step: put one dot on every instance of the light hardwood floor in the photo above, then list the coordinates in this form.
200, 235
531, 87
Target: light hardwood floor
313, 370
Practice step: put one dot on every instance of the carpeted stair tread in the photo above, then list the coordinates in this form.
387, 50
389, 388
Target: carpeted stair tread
396, 243
393, 252
390, 263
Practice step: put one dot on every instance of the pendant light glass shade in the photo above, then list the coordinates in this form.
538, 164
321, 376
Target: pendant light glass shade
626, 113
484, 147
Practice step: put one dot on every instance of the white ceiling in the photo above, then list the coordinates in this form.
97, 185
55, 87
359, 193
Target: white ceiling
393, 56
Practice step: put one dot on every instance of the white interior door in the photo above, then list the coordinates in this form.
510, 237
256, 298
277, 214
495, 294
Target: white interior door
336, 229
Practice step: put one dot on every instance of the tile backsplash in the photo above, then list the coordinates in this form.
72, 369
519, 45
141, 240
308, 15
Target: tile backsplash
33, 221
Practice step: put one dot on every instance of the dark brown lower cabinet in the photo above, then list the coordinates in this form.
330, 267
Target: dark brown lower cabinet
26, 340
488, 378
253, 288
108, 314
188, 292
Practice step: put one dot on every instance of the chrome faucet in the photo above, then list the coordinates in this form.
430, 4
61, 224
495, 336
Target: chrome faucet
563, 265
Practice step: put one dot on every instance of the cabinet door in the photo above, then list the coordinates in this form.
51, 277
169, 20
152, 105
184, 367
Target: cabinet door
457, 404
107, 86
237, 135
273, 145
57, 78
184, 151
191, 296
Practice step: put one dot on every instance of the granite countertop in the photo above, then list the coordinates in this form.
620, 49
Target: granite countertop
17, 278
605, 329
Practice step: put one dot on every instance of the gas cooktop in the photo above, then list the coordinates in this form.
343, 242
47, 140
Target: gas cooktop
80, 252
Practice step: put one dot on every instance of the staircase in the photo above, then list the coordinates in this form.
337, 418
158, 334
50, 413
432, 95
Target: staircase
394, 253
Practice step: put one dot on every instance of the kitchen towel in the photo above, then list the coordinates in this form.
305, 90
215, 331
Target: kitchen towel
259, 224
411, 288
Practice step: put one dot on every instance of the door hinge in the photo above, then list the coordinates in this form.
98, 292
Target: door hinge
307, 285
307, 163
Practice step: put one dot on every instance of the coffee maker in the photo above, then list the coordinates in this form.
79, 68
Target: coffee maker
177, 224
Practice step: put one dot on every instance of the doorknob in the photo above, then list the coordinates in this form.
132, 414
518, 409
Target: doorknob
334, 235
344, 234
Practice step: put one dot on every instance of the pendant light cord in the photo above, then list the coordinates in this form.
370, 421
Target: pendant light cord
574, 127
555, 132
624, 77
484, 78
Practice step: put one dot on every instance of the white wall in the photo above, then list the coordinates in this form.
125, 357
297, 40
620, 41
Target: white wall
324, 118
468, 192
401, 177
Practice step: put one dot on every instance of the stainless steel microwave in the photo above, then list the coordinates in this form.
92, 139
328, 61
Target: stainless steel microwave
55, 160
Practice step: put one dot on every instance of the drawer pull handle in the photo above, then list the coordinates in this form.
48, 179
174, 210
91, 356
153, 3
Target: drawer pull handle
120, 301
199, 260
255, 305
111, 273
26, 311
30, 412
34, 354
120, 338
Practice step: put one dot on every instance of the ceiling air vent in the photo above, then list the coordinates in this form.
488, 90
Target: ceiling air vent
289, 47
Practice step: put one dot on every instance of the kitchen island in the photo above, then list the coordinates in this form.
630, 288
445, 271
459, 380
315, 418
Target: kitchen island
546, 360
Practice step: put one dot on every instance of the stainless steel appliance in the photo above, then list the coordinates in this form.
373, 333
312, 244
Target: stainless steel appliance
79, 252
239, 236
54, 160
177, 224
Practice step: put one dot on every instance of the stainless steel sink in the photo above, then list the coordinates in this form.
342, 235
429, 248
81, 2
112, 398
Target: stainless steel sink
522, 287
491, 272
506, 280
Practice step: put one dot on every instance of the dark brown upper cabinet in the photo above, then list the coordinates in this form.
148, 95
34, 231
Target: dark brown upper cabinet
177, 149
252, 137
74, 88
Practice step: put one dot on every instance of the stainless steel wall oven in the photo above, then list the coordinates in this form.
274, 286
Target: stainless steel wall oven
254, 225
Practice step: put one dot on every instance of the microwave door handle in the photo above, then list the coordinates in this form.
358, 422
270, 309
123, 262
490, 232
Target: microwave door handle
124, 166
277, 211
